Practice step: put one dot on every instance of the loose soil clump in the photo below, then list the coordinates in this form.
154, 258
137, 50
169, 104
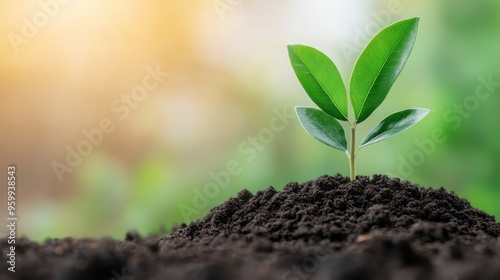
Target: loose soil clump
328, 228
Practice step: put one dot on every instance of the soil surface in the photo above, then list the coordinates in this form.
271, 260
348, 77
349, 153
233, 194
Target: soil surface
328, 228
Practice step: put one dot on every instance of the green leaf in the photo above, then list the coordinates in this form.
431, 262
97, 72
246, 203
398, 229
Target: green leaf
394, 124
379, 65
323, 127
321, 79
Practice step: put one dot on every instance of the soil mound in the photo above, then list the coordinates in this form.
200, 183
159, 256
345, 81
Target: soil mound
370, 228
336, 209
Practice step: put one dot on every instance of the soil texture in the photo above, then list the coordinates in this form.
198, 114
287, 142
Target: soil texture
328, 228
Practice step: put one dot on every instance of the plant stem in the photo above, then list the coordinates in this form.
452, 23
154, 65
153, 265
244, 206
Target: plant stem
352, 154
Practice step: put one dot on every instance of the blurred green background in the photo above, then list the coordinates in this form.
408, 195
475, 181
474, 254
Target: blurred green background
220, 121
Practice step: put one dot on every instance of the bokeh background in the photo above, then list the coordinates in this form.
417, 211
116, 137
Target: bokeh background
226, 101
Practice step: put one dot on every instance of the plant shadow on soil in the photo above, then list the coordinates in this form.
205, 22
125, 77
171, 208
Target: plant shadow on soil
328, 228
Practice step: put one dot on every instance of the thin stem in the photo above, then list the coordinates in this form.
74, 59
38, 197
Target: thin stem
352, 155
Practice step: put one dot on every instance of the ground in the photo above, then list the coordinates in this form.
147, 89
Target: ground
328, 228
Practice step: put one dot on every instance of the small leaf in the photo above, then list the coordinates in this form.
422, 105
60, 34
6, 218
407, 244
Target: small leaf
323, 127
394, 124
321, 79
379, 65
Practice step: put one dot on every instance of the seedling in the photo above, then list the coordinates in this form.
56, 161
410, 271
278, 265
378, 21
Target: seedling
373, 75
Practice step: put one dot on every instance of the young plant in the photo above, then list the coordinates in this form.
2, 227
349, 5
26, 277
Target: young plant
373, 75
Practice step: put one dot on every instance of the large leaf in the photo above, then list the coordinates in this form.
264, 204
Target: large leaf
320, 78
394, 124
379, 65
323, 127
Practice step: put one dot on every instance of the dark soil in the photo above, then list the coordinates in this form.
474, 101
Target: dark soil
329, 228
